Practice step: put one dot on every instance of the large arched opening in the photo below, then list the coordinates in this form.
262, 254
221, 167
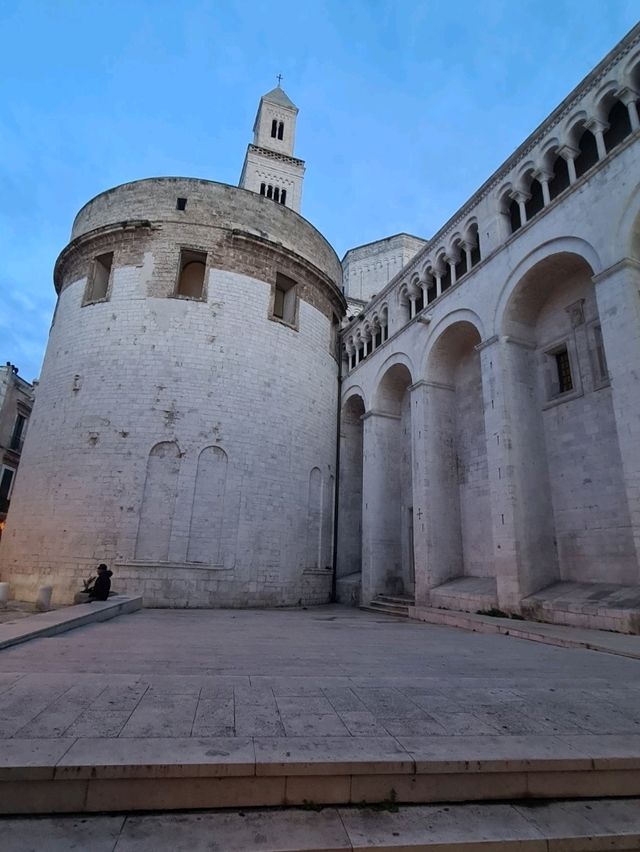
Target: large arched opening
349, 556
387, 489
572, 489
460, 505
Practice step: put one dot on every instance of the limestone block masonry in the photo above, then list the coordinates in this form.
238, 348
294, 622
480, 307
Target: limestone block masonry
496, 376
184, 436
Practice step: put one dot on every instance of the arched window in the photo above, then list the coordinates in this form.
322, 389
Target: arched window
263, 188
193, 266
276, 194
281, 130
473, 237
269, 191
461, 265
445, 279
283, 196
514, 216
560, 180
588, 155
431, 290
274, 128
536, 202
619, 126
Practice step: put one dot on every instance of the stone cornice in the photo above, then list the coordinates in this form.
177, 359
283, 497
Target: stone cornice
274, 155
631, 40
374, 413
624, 263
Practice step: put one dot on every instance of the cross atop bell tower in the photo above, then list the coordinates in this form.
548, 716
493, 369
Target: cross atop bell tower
270, 168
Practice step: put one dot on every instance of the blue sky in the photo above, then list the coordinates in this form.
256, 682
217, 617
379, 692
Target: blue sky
406, 107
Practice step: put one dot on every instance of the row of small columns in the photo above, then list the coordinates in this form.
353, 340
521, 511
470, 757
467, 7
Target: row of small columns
369, 345
438, 274
569, 153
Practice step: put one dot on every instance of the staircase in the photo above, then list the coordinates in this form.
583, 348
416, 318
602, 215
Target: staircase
396, 605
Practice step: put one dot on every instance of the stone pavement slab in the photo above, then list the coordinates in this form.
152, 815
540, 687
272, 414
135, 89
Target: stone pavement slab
563, 826
212, 673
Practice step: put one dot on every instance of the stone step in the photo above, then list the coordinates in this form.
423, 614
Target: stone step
559, 826
41, 776
387, 609
403, 600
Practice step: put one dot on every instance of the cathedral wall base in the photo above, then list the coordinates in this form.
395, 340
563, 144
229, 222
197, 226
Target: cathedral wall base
179, 586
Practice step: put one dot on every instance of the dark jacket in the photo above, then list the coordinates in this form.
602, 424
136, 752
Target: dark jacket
100, 589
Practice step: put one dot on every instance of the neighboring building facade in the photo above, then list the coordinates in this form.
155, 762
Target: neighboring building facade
16, 402
186, 423
369, 268
491, 392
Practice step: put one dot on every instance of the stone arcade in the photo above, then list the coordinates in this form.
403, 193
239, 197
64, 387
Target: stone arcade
185, 424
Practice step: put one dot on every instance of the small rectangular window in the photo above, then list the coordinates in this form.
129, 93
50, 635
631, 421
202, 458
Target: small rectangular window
285, 299
17, 436
191, 276
181, 204
6, 484
98, 284
563, 366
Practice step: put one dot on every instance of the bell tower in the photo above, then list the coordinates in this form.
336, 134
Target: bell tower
270, 169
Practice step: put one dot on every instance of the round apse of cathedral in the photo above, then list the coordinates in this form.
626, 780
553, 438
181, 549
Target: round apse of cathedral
184, 429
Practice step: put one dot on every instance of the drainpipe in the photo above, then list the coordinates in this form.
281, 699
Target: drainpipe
336, 500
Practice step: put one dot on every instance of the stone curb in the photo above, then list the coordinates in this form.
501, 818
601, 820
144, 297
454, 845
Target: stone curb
66, 618
559, 635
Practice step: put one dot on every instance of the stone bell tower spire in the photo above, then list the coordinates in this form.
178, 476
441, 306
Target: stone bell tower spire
270, 169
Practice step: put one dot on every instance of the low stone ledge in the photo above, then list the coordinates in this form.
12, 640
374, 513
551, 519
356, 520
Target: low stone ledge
561, 635
65, 618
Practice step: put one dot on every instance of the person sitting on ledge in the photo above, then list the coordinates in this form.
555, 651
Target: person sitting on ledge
100, 589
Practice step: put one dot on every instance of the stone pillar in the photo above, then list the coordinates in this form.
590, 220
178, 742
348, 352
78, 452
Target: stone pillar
452, 267
521, 197
381, 521
438, 276
544, 177
618, 297
523, 540
412, 307
468, 248
436, 506
598, 127
569, 154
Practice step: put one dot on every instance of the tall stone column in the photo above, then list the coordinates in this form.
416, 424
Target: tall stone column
544, 177
569, 155
598, 128
381, 521
629, 97
524, 551
618, 297
436, 507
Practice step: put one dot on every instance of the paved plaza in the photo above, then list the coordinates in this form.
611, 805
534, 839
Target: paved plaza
318, 673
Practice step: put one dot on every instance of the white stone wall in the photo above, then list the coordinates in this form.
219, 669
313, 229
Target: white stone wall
554, 492
282, 172
144, 368
368, 269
